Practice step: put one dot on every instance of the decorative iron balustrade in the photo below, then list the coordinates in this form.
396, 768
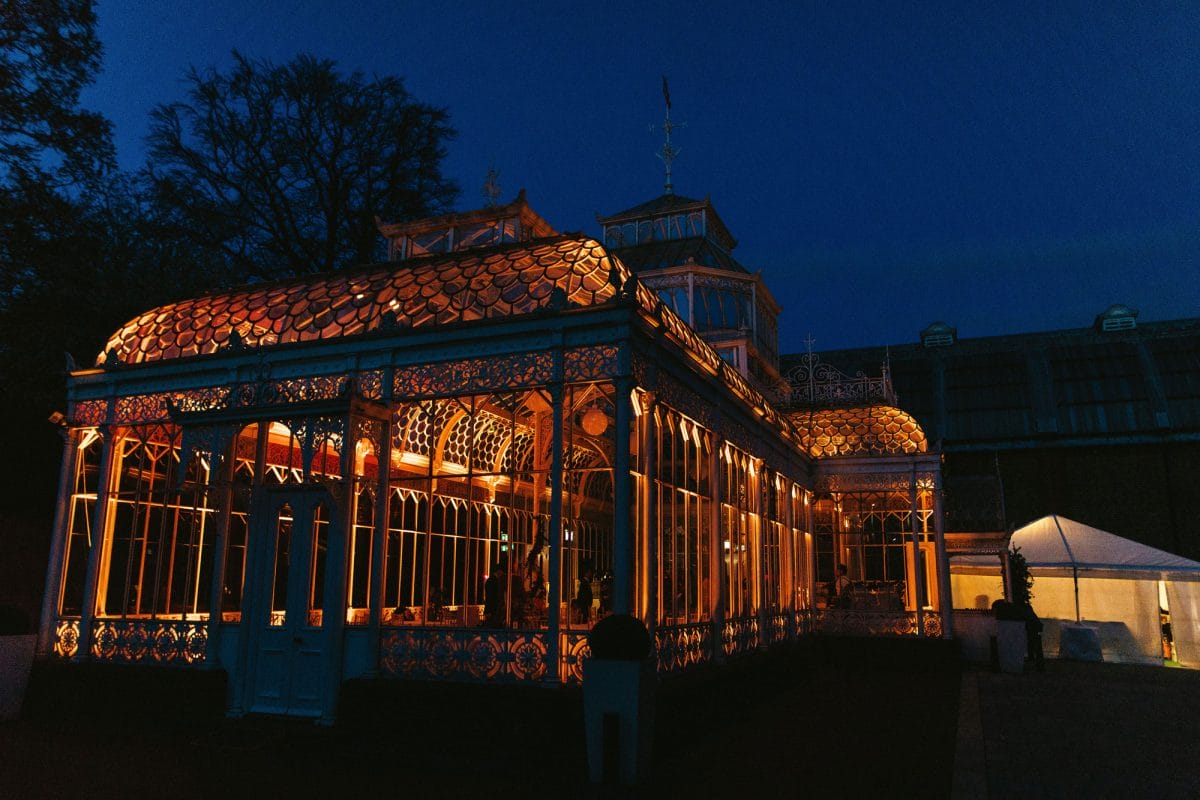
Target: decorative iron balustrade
740, 636
157, 641
66, 638
679, 647
815, 383
878, 623
465, 654
780, 627
573, 651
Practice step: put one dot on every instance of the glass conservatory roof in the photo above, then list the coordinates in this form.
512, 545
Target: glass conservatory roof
470, 285
859, 430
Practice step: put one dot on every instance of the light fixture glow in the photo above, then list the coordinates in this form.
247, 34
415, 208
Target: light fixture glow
595, 421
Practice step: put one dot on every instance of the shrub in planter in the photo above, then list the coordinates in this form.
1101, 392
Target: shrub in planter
619, 637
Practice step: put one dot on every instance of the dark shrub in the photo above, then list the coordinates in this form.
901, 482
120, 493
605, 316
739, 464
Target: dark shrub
14, 621
619, 638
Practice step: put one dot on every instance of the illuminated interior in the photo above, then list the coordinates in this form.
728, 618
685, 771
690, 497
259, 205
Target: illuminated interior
451, 466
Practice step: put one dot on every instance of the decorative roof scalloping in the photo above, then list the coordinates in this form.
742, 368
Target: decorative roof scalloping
470, 285
492, 282
860, 430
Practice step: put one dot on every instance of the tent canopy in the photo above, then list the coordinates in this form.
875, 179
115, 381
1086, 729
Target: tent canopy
1054, 542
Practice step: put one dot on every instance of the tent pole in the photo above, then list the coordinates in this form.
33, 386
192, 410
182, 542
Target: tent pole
1075, 576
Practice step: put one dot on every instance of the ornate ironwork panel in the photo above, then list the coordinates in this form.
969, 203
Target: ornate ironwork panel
779, 627
143, 407
370, 384
574, 650
675, 395
89, 413
149, 641
678, 647
739, 636
871, 481
474, 375
206, 399
867, 623
464, 654
590, 363
813, 382
211, 441
66, 638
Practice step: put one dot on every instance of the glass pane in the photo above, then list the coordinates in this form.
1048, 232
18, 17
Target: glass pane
283, 540
320, 545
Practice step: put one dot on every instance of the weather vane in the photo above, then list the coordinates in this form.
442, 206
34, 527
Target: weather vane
668, 151
491, 187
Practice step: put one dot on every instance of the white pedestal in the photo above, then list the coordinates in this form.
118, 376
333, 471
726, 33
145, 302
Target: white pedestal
622, 692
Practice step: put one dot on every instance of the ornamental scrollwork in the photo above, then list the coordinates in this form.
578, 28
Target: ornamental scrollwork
474, 375
149, 641
590, 363
866, 623
66, 638
675, 395
89, 413
739, 636
372, 431
370, 384
678, 647
813, 382
871, 482
575, 650
464, 654
209, 441
287, 391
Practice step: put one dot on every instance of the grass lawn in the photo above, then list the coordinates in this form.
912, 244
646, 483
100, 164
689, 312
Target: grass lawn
847, 716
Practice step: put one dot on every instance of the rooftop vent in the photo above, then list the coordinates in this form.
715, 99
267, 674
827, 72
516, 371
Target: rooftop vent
1117, 317
939, 334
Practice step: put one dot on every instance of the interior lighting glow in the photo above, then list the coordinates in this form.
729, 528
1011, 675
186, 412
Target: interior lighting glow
595, 421
89, 436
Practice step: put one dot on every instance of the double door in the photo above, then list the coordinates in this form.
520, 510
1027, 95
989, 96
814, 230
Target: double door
297, 583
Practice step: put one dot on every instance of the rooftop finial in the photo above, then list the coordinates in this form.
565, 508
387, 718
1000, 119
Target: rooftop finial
491, 187
668, 151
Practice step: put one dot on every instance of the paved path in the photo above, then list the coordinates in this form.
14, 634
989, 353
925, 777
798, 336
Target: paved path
1079, 730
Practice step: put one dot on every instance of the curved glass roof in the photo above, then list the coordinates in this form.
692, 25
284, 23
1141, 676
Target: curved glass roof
471, 285
859, 430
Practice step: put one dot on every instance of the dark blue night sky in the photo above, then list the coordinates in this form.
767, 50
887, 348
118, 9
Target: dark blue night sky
1005, 168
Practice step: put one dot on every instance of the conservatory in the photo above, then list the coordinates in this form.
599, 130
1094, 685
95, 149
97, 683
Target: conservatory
444, 467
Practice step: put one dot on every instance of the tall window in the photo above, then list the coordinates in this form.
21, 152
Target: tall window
684, 510
739, 518
159, 546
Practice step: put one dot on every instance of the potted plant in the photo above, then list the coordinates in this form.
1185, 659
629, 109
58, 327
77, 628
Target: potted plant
1012, 615
17, 642
618, 700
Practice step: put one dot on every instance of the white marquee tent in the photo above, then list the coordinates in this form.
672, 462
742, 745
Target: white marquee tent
1085, 574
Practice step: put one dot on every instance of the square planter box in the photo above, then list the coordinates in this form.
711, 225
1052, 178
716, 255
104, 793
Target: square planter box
1011, 642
